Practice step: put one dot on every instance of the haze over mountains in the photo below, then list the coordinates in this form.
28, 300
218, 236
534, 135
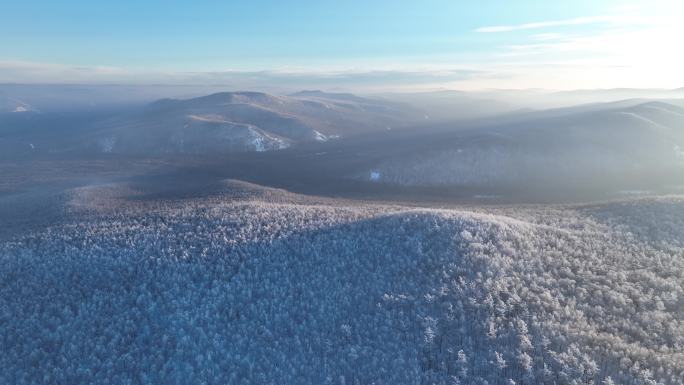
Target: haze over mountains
447, 105
247, 121
226, 122
620, 144
577, 144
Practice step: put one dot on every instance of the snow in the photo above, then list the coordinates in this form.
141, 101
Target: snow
20, 109
209, 118
107, 144
257, 141
245, 291
319, 137
261, 141
643, 119
375, 175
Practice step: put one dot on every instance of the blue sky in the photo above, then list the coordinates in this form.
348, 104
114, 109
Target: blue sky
377, 44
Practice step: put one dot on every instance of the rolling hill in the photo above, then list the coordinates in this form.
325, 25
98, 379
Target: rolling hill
284, 290
244, 121
577, 144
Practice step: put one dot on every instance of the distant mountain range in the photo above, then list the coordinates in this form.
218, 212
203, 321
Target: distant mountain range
592, 142
378, 140
218, 123
449, 105
245, 121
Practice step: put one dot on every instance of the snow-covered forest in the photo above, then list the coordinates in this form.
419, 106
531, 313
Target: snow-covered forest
237, 289
341, 192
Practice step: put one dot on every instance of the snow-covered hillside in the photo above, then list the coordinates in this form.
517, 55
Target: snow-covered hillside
216, 123
235, 289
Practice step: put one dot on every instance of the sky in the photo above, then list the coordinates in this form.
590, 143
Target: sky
345, 45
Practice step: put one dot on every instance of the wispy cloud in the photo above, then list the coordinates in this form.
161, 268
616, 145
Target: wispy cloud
605, 19
549, 36
16, 71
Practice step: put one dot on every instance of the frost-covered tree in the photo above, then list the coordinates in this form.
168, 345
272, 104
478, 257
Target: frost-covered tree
272, 288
